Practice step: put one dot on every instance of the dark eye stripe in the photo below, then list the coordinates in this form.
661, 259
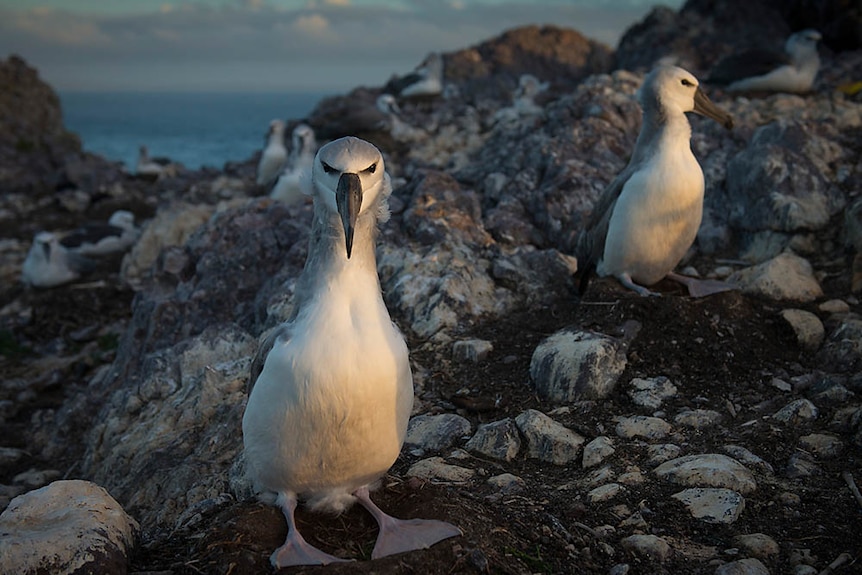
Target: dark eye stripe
686, 83
327, 168
371, 169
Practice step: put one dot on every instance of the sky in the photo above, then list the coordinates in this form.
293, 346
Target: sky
271, 45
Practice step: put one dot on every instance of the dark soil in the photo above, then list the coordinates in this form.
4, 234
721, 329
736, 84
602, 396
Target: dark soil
722, 353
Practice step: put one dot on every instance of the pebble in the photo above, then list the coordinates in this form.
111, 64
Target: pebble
499, 440
548, 440
824, 446
651, 392
747, 566
597, 451
801, 464
472, 350
660, 453
644, 426
834, 306
746, 457
808, 328
784, 277
436, 432
708, 470
507, 483
712, 505
796, 412
698, 418
34, 478
757, 545
436, 469
647, 547
604, 492
10, 455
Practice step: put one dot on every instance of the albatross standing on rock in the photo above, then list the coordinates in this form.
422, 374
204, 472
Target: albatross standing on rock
50, 264
648, 216
332, 388
288, 188
765, 70
273, 156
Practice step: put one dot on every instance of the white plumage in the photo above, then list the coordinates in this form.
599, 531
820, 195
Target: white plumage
292, 182
50, 264
274, 155
332, 388
648, 216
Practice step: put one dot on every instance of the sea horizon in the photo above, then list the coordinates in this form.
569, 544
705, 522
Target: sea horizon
195, 129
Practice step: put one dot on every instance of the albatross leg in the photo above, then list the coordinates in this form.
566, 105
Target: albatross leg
296, 550
400, 535
627, 281
701, 287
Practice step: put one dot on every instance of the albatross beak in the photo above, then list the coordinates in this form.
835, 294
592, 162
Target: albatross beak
704, 106
348, 198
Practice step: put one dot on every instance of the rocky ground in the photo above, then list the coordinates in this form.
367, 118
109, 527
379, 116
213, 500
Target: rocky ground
716, 435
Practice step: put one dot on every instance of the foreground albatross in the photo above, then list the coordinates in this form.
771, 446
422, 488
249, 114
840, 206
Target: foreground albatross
332, 388
648, 216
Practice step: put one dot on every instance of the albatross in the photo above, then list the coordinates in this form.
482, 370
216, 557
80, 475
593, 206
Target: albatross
769, 71
332, 389
50, 264
274, 154
425, 81
648, 216
100, 239
288, 187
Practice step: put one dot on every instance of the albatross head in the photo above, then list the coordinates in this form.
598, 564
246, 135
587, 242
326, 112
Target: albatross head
350, 178
303, 138
803, 44
672, 90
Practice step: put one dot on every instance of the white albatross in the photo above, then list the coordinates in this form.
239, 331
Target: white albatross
50, 264
425, 81
332, 388
769, 71
100, 239
291, 184
648, 216
153, 168
273, 156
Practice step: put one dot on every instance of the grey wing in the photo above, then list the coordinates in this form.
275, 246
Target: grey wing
749, 64
283, 331
591, 241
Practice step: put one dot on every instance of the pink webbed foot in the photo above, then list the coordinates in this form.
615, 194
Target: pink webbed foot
296, 550
400, 535
701, 287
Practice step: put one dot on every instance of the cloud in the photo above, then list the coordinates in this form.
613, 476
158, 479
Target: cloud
320, 42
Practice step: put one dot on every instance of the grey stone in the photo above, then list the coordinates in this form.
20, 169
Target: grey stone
472, 350
642, 426
797, 411
784, 277
64, 528
757, 545
647, 547
712, 505
747, 566
807, 326
507, 483
651, 392
436, 432
748, 458
548, 440
697, 418
597, 451
436, 469
604, 492
823, 445
498, 439
708, 470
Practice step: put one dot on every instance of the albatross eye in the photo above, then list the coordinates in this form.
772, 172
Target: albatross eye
327, 168
686, 83
371, 169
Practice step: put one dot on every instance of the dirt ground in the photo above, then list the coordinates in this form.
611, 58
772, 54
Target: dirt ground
719, 351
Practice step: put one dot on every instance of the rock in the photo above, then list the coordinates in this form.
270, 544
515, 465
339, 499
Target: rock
797, 411
647, 547
651, 392
800, 464
436, 469
597, 451
747, 566
10, 455
708, 470
436, 432
712, 505
507, 483
499, 440
842, 351
34, 478
746, 457
547, 440
834, 306
697, 418
658, 454
807, 326
64, 528
538, 276
822, 445
604, 493
472, 350
573, 365
757, 545
642, 426
785, 277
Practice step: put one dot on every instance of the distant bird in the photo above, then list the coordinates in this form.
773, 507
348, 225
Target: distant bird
152, 168
649, 215
274, 155
792, 71
400, 130
523, 100
290, 184
425, 81
50, 264
332, 389
98, 239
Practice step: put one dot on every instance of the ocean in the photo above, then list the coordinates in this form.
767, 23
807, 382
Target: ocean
196, 130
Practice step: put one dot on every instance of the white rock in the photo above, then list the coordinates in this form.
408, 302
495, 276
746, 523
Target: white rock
472, 350
747, 458
436, 432
784, 277
604, 492
648, 547
797, 411
436, 469
712, 505
499, 440
747, 566
571, 365
597, 451
708, 470
698, 418
548, 440
66, 527
808, 328
822, 445
658, 454
651, 392
642, 426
